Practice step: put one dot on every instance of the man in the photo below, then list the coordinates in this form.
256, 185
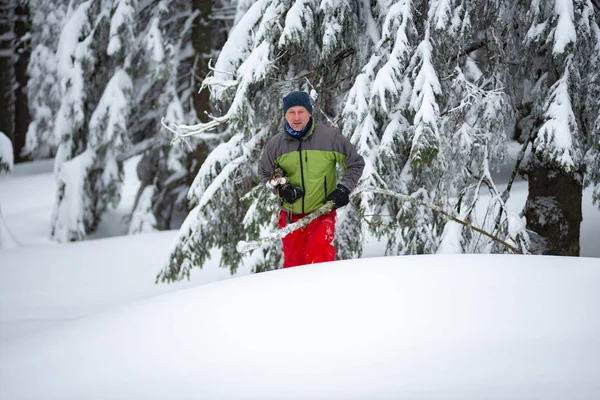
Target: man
306, 154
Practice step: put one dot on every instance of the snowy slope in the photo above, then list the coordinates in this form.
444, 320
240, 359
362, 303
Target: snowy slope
428, 327
44, 286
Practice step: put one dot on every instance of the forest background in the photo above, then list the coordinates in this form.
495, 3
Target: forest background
431, 92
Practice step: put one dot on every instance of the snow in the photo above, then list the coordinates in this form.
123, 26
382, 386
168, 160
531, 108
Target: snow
108, 122
564, 33
239, 43
426, 87
121, 19
298, 23
6, 154
556, 134
70, 214
142, 219
428, 327
154, 41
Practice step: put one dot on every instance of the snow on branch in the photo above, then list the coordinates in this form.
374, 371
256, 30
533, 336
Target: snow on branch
6, 154
389, 78
108, 123
237, 48
413, 200
335, 13
121, 20
564, 32
554, 141
270, 239
425, 143
299, 23
440, 12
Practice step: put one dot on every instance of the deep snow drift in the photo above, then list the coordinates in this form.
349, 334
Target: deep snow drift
428, 327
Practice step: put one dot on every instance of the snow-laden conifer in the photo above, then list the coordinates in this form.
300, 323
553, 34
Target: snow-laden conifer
562, 43
43, 94
7, 240
93, 58
165, 77
6, 154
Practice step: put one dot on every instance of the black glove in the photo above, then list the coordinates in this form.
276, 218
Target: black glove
289, 193
340, 196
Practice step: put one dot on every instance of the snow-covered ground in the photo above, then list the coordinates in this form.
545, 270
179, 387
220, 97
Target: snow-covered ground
417, 327
86, 320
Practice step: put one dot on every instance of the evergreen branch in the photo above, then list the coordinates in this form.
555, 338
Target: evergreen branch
182, 132
244, 247
139, 148
406, 198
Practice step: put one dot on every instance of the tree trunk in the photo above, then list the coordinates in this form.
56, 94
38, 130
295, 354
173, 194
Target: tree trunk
23, 51
553, 209
7, 77
202, 43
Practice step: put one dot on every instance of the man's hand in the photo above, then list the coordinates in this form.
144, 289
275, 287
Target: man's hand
289, 193
340, 196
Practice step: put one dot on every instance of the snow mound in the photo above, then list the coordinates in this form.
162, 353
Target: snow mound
427, 327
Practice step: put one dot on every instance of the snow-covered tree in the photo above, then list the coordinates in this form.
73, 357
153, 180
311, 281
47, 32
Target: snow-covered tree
93, 63
6, 165
562, 45
399, 79
47, 19
177, 38
7, 59
6, 154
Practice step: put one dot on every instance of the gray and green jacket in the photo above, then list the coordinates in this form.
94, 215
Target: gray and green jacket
310, 163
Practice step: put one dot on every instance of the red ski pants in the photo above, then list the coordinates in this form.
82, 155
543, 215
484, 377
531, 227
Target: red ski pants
311, 244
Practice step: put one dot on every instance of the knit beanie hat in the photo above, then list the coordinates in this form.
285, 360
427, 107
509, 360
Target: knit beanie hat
297, 99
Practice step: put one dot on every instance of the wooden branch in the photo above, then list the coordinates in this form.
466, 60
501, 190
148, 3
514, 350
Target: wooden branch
244, 247
406, 198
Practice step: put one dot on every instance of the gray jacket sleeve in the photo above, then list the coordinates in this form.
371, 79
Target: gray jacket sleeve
267, 161
354, 162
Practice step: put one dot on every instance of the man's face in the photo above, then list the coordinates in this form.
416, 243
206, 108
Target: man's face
297, 117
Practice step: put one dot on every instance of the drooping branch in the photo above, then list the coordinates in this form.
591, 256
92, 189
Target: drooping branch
406, 198
182, 132
244, 247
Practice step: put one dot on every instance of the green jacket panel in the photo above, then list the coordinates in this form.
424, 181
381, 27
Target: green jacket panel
310, 164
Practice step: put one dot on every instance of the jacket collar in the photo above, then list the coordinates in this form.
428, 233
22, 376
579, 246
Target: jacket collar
287, 136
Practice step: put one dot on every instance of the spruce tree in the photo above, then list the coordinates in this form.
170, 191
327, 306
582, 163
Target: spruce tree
47, 19
175, 44
93, 63
563, 44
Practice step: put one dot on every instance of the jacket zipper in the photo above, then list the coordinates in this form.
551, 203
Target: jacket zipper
301, 172
325, 185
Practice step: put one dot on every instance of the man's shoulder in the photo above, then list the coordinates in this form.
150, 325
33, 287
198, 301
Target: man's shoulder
278, 137
322, 128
